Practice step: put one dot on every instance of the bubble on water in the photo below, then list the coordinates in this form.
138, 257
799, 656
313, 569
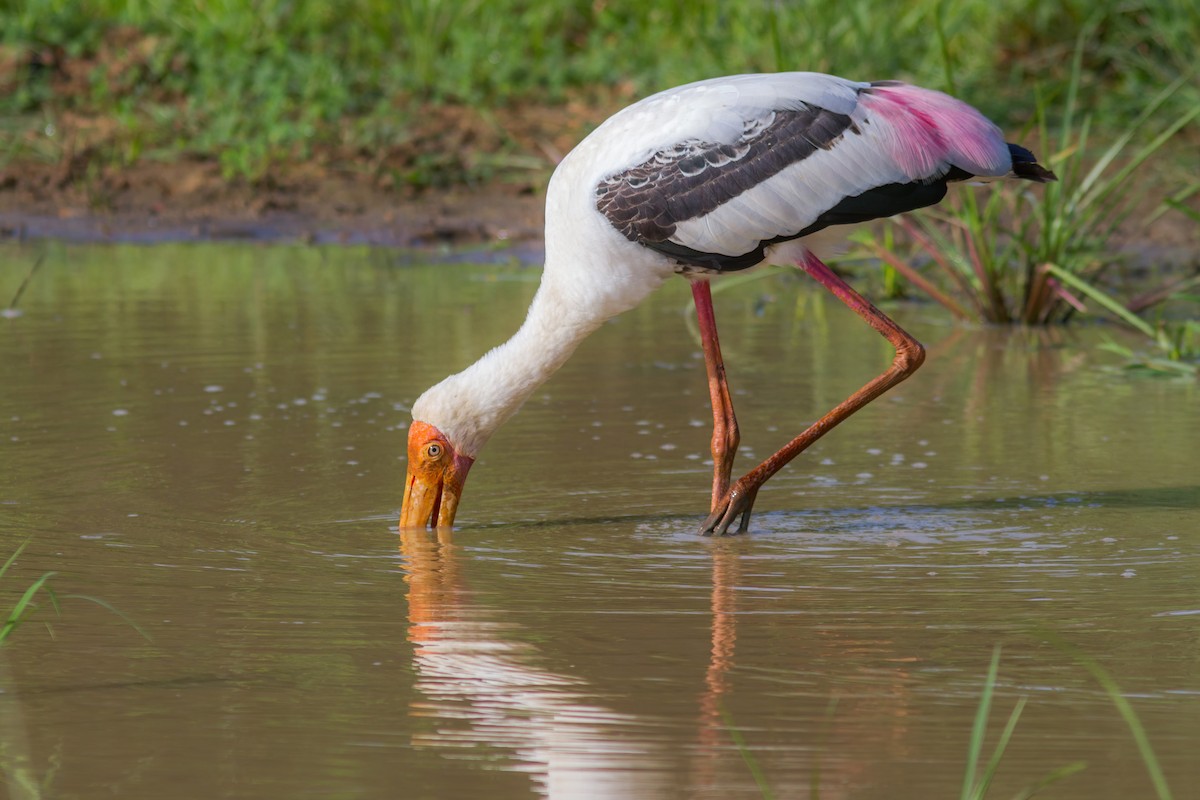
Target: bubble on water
1129, 573
213, 388
874, 451
120, 412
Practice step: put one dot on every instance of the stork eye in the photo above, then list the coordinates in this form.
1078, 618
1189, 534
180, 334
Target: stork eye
433, 450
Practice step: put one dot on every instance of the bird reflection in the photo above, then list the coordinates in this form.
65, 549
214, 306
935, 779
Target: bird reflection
484, 687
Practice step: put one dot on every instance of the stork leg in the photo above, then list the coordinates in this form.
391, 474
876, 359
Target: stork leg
725, 436
909, 355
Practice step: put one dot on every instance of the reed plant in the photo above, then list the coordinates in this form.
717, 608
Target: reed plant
1039, 255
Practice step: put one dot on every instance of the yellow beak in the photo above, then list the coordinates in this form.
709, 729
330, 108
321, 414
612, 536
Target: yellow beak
427, 503
431, 493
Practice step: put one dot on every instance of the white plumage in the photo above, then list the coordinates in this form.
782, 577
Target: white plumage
713, 176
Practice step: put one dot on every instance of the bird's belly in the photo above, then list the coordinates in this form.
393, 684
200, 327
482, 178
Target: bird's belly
827, 242
831, 241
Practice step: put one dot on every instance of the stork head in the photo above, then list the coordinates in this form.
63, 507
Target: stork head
436, 474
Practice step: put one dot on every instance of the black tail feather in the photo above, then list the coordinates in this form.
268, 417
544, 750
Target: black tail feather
1026, 167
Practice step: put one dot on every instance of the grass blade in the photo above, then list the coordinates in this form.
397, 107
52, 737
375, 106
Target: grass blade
14, 556
1113, 690
1130, 716
1125, 315
919, 280
748, 757
979, 729
18, 610
1054, 777
108, 606
994, 762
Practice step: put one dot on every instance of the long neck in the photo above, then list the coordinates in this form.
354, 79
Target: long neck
472, 404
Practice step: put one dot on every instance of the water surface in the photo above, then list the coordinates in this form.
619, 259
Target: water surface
211, 439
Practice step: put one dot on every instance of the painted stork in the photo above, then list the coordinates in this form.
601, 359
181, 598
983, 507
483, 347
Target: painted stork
708, 178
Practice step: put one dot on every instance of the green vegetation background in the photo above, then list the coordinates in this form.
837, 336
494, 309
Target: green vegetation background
251, 83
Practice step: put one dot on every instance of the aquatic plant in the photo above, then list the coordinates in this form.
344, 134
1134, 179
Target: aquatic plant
24, 604
15, 760
756, 770
977, 776
1011, 255
976, 783
1161, 789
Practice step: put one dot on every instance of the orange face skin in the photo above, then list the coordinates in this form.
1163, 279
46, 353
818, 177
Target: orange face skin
436, 474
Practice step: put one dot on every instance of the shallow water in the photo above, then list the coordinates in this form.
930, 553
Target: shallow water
211, 439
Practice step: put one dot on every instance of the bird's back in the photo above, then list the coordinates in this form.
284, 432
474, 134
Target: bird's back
709, 175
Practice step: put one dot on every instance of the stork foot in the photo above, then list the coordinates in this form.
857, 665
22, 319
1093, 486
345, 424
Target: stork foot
738, 502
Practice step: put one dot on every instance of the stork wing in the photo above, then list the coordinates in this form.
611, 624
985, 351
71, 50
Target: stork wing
793, 171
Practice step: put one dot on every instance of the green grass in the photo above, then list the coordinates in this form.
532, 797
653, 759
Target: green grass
24, 604
975, 781
253, 85
1016, 253
978, 776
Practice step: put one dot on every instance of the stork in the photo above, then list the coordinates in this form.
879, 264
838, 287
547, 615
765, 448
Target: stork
712, 177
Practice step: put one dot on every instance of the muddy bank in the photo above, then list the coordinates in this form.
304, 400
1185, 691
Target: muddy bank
190, 201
